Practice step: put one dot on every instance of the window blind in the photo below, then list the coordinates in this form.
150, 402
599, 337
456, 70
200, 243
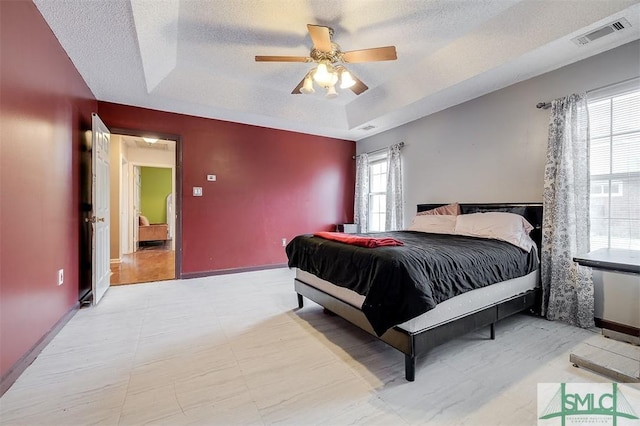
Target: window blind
377, 191
614, 166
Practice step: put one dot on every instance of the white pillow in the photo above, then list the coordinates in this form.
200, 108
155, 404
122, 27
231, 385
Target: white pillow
508, 227
435, 224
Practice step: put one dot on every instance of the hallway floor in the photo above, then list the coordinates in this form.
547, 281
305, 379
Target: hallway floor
149, 263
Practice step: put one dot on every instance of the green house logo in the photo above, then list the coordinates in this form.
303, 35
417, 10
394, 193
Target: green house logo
588, 403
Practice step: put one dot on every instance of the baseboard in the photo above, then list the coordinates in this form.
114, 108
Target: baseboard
620, 328
18, 368
187, 275
115, 261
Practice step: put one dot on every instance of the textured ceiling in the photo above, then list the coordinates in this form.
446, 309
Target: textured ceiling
139, 142
197, 56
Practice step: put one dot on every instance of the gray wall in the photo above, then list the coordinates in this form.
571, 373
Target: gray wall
492, 148
616, 297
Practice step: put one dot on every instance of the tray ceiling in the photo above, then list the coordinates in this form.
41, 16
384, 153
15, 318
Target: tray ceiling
197, 57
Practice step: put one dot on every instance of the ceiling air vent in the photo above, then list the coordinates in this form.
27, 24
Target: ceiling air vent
618, 25
369, 127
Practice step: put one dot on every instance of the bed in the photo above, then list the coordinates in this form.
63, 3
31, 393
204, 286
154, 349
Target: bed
151, 231
407, 332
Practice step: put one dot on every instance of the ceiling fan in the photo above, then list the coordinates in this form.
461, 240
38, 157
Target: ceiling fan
330, 59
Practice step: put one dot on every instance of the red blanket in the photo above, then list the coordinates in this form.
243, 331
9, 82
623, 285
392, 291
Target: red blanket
357, 240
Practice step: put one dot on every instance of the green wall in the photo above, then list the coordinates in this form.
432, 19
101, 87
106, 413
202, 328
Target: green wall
155, 185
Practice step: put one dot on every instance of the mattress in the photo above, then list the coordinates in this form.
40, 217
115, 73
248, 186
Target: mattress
445, 311
403, 282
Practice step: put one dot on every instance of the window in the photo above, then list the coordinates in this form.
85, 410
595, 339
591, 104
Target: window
377, 192
614, 131
601, 189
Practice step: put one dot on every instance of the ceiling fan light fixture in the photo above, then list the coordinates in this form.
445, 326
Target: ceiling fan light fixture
329, 58
320, 74
331, 92
325, 75
307, 87
346, 80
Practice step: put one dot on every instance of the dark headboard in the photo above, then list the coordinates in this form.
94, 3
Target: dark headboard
530, 211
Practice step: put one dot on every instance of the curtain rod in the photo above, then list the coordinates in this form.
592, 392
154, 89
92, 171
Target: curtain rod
547, 105
401, 144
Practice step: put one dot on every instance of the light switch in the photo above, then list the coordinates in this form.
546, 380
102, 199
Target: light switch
211, 178
197, 191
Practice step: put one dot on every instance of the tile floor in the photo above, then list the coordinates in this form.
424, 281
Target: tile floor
233, 349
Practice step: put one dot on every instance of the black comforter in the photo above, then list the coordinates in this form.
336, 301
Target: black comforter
400, 283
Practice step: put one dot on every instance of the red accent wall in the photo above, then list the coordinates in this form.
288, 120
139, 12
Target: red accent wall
45, 105
271, 184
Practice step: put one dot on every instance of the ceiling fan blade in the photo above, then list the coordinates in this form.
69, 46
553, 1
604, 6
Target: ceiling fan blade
359, 87
321, 37
297, 91
283, 59
387, 53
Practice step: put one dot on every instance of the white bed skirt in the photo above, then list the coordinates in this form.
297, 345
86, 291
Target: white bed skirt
446, 311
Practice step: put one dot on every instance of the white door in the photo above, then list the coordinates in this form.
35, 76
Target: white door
101, 273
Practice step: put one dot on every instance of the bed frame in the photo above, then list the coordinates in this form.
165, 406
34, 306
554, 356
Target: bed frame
413, 344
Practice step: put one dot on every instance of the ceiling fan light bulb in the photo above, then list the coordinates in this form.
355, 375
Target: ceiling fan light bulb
347, 80
333, 78
331, 92
322, 75
325, 75
307, 87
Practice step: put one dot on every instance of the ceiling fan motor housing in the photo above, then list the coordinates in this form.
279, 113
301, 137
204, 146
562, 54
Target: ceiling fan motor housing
334, 55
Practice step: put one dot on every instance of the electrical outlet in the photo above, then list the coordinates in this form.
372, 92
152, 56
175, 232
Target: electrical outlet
60, 276
284, 242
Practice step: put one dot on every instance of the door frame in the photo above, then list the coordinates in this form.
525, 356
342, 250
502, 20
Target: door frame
150, 164
177, 183
133, 215
124, 205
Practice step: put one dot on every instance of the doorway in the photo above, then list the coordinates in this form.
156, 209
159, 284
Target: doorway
143, 209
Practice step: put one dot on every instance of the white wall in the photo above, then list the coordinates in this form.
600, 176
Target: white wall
492, 148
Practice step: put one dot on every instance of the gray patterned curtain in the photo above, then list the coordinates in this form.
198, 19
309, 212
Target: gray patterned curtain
566, 287
394, 210
361, 202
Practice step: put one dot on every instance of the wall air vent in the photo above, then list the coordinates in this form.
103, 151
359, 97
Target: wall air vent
368, 127
610, 28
